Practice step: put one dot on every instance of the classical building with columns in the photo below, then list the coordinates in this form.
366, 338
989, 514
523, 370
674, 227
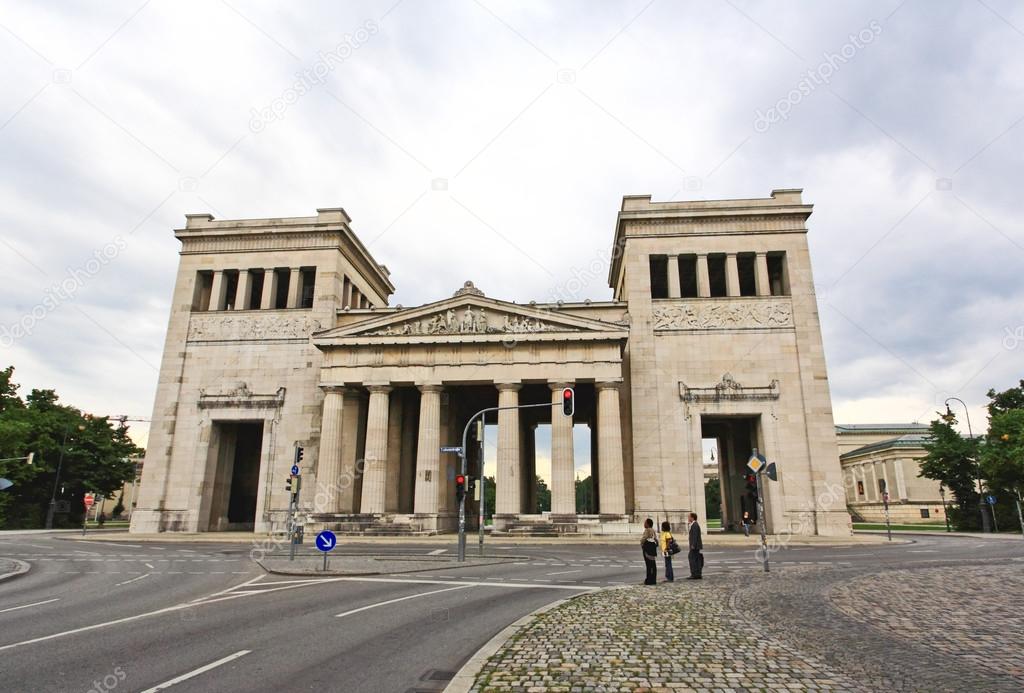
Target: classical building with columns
281, 335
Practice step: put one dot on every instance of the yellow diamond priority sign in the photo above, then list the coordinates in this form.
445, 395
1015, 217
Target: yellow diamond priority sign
756, 462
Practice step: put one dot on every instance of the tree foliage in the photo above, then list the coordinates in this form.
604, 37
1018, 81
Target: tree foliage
952, 460
94, 455
1002, 455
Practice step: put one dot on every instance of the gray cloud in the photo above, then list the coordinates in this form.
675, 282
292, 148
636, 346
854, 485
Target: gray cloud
540, 117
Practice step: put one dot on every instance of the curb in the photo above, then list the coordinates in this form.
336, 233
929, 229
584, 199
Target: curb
466, 676
20, 568
286, 570
959, 535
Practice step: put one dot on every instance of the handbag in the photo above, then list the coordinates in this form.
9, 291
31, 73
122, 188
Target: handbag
673, 546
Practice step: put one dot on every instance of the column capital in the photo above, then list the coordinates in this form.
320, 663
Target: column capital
335, 389
382, 388
431, 387
608, 384
560, 384
512, 387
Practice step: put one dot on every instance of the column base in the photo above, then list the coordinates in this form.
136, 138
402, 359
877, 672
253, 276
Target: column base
149, 521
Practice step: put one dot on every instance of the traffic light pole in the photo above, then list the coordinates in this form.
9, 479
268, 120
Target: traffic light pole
465, 466
761, 519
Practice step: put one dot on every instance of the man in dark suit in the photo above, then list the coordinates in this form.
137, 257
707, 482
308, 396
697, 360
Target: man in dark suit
696, 546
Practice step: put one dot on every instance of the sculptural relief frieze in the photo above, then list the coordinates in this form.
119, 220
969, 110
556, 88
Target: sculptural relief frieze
226, 327
468, 320
730, 314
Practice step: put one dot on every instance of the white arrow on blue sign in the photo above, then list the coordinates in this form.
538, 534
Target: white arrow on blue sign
295, 470
325, 541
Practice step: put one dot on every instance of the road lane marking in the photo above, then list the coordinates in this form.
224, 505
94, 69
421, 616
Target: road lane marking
494, 585
197, 672
566, 572
25, 606
110, 543
401, 599
437, 552
134, 579
149, 566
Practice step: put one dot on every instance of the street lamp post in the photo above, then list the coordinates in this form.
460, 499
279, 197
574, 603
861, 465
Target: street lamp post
56, 480
945, 510
985, 522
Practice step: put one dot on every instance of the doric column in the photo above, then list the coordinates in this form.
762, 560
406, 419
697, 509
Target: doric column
563, 486
394, 463
611, 478
375, 474
761, 275
242, 292
508, 482
293, 287
428, 451
732, 275
351, 469
328, 473
703, 276
673, 277
269, 288
219, 291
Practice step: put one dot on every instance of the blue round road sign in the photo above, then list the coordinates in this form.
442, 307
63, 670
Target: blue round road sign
295, 470
326, 541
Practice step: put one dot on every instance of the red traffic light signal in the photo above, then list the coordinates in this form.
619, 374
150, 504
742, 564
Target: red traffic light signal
460, 487
568, 401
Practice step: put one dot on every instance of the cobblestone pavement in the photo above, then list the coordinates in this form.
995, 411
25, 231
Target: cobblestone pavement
929, 628
672, 637
970, 613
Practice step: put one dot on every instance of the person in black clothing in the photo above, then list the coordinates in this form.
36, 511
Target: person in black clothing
696, 546
649, 546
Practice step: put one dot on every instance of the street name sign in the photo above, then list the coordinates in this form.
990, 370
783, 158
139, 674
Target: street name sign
457, 449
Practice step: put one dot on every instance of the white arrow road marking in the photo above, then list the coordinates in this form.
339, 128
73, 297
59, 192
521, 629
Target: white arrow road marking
197, 672
25, 606
436, 552
400, 599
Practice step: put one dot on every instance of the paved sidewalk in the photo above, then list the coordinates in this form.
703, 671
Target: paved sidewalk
671, 637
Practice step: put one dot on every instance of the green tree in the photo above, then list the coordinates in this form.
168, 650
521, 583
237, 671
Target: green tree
489, 497
952, 460
93, 455
1002, 455
713, 498
585, 501
543, 496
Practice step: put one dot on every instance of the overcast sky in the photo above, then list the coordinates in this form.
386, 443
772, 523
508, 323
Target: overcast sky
494, 141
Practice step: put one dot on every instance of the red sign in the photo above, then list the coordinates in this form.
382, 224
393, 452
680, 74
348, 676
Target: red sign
89, 499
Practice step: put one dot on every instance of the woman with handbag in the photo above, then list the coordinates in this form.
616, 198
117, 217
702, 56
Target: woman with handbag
668, 547
649, 546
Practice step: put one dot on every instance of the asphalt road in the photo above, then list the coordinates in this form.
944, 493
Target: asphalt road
204, 617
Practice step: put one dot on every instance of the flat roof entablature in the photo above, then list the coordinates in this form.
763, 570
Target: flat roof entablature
639, 217
329, 230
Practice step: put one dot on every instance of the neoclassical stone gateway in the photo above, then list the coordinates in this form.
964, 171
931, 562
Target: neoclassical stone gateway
281, 334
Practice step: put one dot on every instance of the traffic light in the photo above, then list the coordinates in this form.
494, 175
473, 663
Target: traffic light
288, 484
299, 451
460, 487
568, 401
292, 484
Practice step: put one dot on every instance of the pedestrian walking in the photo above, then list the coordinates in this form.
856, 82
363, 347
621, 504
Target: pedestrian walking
649, 546
668, 547
696, 546
746, 523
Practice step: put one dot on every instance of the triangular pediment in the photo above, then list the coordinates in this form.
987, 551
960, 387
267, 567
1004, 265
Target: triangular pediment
469, 318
